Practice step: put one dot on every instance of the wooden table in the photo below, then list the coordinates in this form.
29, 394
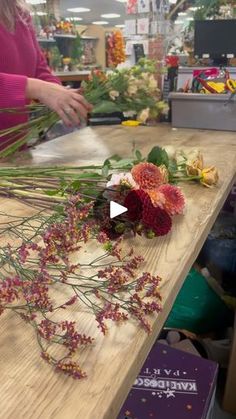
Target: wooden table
29, 387
72, 76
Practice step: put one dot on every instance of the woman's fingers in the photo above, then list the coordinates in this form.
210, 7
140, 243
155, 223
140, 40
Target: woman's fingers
68, 103
73, 115
81, 111
64, 117
82, 101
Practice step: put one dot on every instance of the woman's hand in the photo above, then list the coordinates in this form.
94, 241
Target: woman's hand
68, 103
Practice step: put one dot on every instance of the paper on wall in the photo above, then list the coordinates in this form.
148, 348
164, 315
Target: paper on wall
130, 27
132, 6
143, 6
143, 26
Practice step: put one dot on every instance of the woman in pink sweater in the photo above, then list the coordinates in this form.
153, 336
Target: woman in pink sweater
24, 74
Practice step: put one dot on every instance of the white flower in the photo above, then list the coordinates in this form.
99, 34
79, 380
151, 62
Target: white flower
132, 89
125, 179
144, 115
114, 94
152, 83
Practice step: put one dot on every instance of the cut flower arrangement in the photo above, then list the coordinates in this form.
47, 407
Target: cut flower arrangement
133, 91
72, 258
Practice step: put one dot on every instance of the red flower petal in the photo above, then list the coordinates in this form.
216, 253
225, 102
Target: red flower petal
135, 201
156, 219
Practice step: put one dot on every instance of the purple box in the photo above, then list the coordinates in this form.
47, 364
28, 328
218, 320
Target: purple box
230, 204
172, 385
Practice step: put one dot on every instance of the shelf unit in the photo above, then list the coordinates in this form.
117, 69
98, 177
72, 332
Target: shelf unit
65, 36
46, 40
89, 38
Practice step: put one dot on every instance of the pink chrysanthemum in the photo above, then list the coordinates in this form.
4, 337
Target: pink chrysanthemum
158, 198
147, 175
174, 199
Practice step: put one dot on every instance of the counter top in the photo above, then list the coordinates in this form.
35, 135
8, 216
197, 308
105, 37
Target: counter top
30, 389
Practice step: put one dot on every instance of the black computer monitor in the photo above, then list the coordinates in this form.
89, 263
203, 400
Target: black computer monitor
215, 38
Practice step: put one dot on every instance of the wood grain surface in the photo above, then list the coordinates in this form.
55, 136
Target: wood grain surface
29, 387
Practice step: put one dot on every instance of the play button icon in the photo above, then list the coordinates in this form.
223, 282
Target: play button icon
116, 209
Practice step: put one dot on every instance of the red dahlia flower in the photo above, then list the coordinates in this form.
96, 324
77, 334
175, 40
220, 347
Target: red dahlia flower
156, 219
135, 201
174, 199
147, 175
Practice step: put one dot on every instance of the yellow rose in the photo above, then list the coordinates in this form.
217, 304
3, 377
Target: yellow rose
210, 176
144, 115
195, 165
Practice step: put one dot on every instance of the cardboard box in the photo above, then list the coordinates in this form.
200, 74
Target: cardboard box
172, 385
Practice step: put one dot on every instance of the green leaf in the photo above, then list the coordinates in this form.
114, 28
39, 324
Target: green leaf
89, 175
158, 156
76, 185
123, 164
115, 157
105, 170
139, 156
172, 167
106, 106
51, 193
107, 163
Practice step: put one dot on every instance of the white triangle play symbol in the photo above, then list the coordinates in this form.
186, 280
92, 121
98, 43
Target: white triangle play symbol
116, 209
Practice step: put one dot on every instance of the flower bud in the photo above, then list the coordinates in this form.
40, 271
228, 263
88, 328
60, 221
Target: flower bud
150, 234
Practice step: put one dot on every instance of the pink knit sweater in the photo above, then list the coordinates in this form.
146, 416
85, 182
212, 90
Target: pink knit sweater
20, 57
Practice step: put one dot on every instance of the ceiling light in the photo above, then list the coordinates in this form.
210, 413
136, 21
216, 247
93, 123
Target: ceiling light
120, 26
100, 22
73, 19
36, 1
182, 14
79, 10
190, 18
173, 1
179, 22
110, 15
41, 13
122, 1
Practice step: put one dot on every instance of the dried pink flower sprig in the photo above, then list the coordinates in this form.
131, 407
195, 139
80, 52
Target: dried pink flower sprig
109, 285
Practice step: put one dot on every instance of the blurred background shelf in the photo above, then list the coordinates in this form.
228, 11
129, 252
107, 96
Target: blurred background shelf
66, 36
73, 76
46, 40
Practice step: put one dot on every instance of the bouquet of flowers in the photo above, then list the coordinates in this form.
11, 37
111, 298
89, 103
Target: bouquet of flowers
130, 90
150, 200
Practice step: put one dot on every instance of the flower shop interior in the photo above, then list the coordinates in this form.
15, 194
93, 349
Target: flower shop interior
118, 209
